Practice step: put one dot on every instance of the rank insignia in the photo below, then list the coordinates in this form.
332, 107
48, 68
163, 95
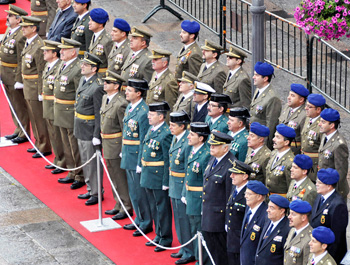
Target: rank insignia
273, 248
252, 236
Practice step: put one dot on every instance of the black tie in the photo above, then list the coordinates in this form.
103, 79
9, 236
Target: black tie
205, 68
107, 101
182, 50
8, 35
229, 76
320, 203
84, 82
26, 45
257, 95
295, 233
182, 99
325, 141
268, 231
246, 221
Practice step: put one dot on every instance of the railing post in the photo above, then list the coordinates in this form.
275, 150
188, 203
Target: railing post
223, 24
309, 43
200, 250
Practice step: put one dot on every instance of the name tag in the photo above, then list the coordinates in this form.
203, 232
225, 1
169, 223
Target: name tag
256, 228
325, 211
278, 238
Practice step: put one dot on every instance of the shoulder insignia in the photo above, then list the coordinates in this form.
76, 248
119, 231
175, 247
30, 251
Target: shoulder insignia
291, 159
99, 81
309, 187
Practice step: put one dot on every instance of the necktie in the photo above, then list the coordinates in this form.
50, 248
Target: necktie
268, 232
325, 141
175, 140
84, 82
205, 68
93, 39
290, 112
246, 221
235, 194
107, 101
133, 55
295, 233
48, 68
277, 158
257, 95
313, 261
182, 50
182, 99
8, 35
295, 187
252, 154
63, 66
320, 203
26, 45
214, 164
230, 75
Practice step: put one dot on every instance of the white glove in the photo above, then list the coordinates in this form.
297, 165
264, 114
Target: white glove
40, 97
138, 169
183, 199
226, 228
18, 85
121, 155
165, 187
96, 141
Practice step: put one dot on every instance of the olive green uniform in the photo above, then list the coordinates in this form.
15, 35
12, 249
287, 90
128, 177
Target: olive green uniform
117, 57
306, 191
189, 60
214, 76
81, 33
258, 162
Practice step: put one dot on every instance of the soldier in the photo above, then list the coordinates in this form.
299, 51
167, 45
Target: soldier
266, 105
238, 83
274, 233
101, 43
281, 159
330, 210
185, 99
258, 154
217, 187
155, 173
190, 57
310, 135
212, 72
66, 83
235, 210
32, 68
121, 48
237, 123
296, 249
293, 113
254, 220
178, 154
201, 96
11, 72
80, 29
46, 11
216, 117
135, 126
333, 151
301, 187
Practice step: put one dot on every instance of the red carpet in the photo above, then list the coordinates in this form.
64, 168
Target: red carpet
24, 4
119, 245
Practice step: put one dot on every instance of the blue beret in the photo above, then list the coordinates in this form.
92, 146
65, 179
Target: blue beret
303, 161
264, 69
190, 26
285, 130
121, 24
324, 235
259, 129
257, 187
328, 176
299, 89
300, 206
82, 1
99, 15
279, 201
316, 100
330, 115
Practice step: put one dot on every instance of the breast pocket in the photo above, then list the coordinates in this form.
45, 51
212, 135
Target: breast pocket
86, 100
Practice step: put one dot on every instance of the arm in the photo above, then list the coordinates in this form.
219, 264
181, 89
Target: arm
219, 81
19, 49
245, 92
67, 29
97, 99
171, 92
143, 128
40, 64
273, 111
166, 142
194, 64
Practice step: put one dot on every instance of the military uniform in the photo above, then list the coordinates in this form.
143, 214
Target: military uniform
327, 259
199, 116
81, 33
219, 125
62, 24
189, 60
239, 145
117, 56
214, 76
258, 163
38, 9
306, 191
184, 104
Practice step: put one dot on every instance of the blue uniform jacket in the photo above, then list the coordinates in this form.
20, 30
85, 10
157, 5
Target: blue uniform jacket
62, 25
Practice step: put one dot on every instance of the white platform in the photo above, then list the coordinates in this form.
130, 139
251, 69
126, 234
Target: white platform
94, 225
4, 142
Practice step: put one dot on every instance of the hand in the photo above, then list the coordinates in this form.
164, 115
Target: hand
121, 155
18, 85
183, 199
165, 187
40, 97
96, 141
138, 169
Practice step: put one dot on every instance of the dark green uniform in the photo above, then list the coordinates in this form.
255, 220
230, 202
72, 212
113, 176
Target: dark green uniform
239, 145
220, 124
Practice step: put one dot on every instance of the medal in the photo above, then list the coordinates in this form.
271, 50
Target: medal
11, 51
28, 65
37, 3
116, 67
153, 154
62, 88
156, 97
177, 162
135, 135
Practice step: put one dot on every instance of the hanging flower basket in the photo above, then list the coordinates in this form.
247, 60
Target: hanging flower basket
329, 19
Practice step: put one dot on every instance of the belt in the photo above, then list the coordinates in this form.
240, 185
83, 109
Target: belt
131, 142
48, 97
13, 65
152, 164
40, 13
194, 188
281, 194
65, 102
315, 155
30, 76
111, 135
102, 70
177, 174
81, 52
295, 144
84, 117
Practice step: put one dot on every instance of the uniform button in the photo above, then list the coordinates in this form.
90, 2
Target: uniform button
230, 214
206, 179
216, 182
221, 211
188, 167
203, 193
229, 221
182, 182
156, 171
203, 200
231, 208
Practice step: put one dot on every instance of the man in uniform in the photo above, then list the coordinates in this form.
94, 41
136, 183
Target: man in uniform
296, 249
66, 82
301, 187
237, 124
201, 96
185, 99
155, 173
333, 151
258, 154
216, 117
45, 10
121, 48
80, 29
32, 68
266, 104
293, 113
212, 72
190, 57
310, 135
178, 154
274, 233
281, 159
217, 187
330, 210
238, 83
254, 220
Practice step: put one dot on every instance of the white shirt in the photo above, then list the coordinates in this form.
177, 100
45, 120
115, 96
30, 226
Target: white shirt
52, 63
220, 158
29, 41
256, 150
254, 210
118, 44
329, 136
188, 45
14, 30
158, 75
240, 188
69, 62
188, 94
275, 224
295, 109
319, 257
178, 137
314, 119
261, 90
199, 107
213, 120
326, 196
195, 150
232, 72
83, 15
133, 106
111, 97
97, 34
281, 154
298, 183
136, 53
208, 65
301, 229
154, 128
234, 134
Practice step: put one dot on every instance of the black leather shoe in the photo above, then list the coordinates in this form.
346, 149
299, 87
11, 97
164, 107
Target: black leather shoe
112, 212
84, 196
159, 249
92, 201
50, 167
37, 155
129, 227
150, 244
19, 140
146, 231
31, 150
119, 216
186, 260
57, 171
176, 255
65, 180
11, 136
6, 2
77, 184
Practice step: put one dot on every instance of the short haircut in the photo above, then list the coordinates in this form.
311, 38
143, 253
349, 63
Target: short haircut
146, 39
223, 105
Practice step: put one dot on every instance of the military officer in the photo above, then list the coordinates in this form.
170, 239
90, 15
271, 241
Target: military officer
274, 233
281, 159
101, 43
216, 117
190, 57
301, 187
121, 48
266, 104
296, 249
178, 154
293, 113
254, 220
155, 173
238, 83
185, 99
46, 11
235, 209
66, 82
201, 96
217, 187
310, 135
333, 151
330, 210
237, 124
32, 68
258, 154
